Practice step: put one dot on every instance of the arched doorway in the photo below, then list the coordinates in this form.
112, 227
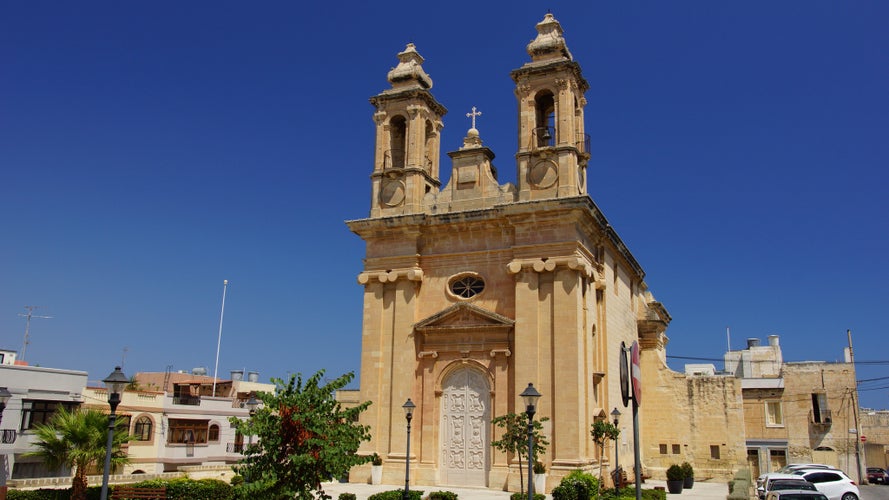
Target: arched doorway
465, 419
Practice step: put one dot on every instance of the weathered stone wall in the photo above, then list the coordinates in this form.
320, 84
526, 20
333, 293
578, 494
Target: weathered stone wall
686, 416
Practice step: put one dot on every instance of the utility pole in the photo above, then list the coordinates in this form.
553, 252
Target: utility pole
28, 328
855, 410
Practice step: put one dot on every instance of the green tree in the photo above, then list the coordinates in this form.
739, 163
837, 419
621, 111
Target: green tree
305, 437
514, 439
77, 439
602, 431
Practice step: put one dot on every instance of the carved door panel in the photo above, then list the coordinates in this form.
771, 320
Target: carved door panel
464, 429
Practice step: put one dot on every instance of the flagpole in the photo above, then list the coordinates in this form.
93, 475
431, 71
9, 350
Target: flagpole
219, 339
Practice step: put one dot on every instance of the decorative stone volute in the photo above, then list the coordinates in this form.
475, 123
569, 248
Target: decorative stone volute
409, 73
549, 43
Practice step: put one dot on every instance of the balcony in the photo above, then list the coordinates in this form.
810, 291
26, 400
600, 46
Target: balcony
820, 417
7, 436
234, 448
187, 400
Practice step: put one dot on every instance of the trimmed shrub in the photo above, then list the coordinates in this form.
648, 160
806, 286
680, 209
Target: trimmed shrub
687, 470
524, 496
396, 495
237, 480
674, 473
346, 496
92, 493
442, 495
578, 485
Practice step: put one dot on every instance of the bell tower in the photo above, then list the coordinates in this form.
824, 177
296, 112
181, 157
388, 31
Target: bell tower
408, 138
553, 147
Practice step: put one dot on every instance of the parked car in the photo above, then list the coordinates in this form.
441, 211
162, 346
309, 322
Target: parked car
795, 495
876, 475
788, 469
835, 484
790, 484
770, 478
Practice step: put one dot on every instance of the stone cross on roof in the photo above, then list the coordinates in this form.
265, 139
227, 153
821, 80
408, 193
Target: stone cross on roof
473, 115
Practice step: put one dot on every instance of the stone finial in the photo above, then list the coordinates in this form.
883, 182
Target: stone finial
409, 72
549, 43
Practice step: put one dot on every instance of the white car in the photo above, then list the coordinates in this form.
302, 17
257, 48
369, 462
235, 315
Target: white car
765, 487
788, 469
835, 484
795, 495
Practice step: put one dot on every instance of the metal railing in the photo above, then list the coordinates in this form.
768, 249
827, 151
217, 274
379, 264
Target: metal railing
234, 448
8, 436
187, 400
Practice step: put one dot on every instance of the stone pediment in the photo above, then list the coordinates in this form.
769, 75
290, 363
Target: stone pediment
465, 330
464, 316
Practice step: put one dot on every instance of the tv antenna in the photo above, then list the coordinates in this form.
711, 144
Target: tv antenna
28, 327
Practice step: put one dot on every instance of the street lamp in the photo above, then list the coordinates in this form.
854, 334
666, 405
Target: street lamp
615, 413
115, 384
4, 398
408, 408
530, 396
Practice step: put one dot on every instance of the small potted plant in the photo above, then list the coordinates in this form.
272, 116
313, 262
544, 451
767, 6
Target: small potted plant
675, 479
376, 470
688, 472
539, 477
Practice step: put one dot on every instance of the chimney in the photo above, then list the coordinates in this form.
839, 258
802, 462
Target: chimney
752, 342
773, 340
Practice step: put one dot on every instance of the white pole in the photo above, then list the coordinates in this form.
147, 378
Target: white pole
219, 340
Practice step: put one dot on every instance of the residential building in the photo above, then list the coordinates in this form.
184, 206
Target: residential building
177, 419
37, 393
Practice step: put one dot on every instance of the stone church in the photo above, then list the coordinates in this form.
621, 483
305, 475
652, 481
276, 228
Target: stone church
475, 289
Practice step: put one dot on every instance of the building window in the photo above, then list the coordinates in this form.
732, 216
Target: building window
41, 412
774, 414
714, 451
213, 435
663, 449
188, 431
676, 449
466, 286
142, 429
820, 412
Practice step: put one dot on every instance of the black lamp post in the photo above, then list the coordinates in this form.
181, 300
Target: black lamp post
115, 384
4, 398
530, 396
615, 413
408, 408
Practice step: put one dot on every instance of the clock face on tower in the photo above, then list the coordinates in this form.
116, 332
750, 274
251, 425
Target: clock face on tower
543, 174
392, 192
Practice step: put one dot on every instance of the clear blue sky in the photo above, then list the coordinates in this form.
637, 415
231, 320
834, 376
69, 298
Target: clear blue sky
149, 150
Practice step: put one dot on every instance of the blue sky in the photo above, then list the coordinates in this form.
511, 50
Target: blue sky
150, 150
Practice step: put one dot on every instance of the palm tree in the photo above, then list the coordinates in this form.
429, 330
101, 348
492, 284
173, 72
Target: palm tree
76, 439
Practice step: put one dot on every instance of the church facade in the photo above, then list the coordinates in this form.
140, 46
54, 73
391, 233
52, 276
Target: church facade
475, 289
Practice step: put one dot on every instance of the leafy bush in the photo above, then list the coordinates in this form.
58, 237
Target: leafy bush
629, 493
396, 495
687, 470
578, 485
346, 496
539, 468
237, 480
674, 473
524, 496
92, 493
442, 495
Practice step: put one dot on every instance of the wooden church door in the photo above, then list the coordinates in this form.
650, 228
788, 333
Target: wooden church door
465, 419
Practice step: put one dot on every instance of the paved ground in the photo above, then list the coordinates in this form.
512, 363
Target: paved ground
701, 490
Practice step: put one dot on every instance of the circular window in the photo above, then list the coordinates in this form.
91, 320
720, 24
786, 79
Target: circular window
467, 286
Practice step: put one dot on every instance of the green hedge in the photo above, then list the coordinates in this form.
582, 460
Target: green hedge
396, 495
524, 496
442, 495
177, 489
346, 496
92, 493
